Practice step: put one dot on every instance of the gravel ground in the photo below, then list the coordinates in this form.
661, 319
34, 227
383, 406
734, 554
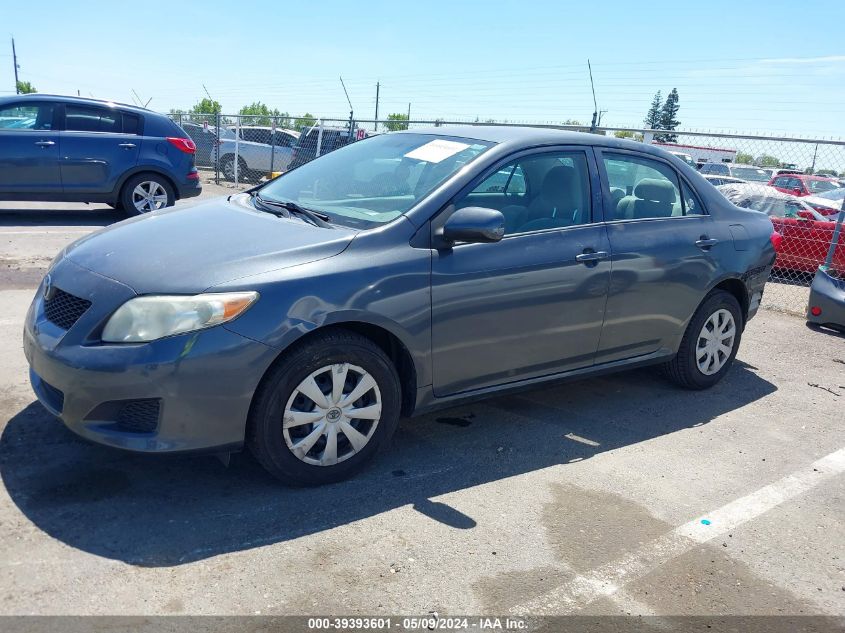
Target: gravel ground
585, 498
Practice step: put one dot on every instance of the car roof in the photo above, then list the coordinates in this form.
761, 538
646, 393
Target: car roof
525, 136
37, 96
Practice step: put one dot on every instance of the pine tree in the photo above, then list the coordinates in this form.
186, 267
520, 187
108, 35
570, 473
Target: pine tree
667, 117
652, 119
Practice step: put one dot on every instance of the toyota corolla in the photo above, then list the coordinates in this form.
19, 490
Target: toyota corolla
401, 273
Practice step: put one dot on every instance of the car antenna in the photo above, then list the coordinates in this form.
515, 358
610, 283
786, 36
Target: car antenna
595, 105
349, 101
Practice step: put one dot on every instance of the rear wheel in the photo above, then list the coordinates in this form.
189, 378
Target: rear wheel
146, 192
323, 411
710, 343
227, 167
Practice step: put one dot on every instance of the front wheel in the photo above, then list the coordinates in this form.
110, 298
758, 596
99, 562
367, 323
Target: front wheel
323, 411
710, 343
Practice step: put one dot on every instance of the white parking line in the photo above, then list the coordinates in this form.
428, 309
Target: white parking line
58, 231
610, 578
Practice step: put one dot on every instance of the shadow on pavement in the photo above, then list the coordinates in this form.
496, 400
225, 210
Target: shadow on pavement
37, 214
169, 510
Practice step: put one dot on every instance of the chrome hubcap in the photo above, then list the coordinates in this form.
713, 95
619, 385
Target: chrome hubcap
149, 196
332, 414
715, 342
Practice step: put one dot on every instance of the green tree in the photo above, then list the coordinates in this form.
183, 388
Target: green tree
766, 160
745, 159
636, 136
826, 172
396, 122
667, 117
206, 106
261, 115
652, 117
26, 88
305, 120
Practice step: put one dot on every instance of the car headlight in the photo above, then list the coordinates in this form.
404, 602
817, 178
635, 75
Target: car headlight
155, 316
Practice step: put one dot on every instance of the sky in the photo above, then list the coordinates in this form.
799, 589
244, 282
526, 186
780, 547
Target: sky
743, 66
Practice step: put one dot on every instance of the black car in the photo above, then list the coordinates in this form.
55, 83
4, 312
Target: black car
71, 149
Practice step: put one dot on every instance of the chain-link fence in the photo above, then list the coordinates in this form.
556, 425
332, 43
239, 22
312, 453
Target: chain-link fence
799, 183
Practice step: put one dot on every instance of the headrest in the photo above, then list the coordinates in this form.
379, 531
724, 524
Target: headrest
656, 190
558, 181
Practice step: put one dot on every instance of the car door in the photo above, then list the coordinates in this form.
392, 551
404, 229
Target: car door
533, 303
282, 150
98, 145
29, 148
665, 254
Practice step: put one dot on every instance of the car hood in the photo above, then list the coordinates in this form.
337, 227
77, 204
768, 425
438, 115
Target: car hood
191, 249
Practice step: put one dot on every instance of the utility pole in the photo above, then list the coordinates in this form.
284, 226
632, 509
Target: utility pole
375, 125
15, 62
409, 112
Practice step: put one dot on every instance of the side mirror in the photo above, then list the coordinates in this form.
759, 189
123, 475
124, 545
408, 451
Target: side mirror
474, 225
797, 191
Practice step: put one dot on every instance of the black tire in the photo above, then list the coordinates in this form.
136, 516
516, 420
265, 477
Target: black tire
227, 169
683, 368
265, 437
127, 202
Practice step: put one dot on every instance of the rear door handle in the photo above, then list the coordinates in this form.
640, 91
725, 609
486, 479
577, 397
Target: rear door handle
705, 243
592, 257
127, 145
45, 143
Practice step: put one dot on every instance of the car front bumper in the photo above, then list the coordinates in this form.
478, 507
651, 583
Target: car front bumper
183, 393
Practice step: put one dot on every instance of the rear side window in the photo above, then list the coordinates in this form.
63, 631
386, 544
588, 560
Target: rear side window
92, 119
642, 188
131, 123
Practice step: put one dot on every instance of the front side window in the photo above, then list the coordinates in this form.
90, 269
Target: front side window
376, 180
88, 119
820, 186
31, 116
642, 188
537, 192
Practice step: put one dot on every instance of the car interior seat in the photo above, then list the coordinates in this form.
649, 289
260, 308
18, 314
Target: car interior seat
653, 198
560, 201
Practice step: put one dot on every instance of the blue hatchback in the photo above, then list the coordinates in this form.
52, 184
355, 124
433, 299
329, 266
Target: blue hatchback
72, 149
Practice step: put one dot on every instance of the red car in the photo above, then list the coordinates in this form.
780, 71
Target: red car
806, 233
802, 184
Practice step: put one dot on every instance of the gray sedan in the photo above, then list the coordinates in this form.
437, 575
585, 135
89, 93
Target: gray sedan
401, 273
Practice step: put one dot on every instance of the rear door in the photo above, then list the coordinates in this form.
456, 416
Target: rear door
98, 145
29, 148
665, 254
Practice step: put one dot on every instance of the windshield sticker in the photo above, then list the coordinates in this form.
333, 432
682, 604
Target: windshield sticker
436, 151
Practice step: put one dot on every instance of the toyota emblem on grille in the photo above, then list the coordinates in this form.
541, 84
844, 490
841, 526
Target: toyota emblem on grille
49, 291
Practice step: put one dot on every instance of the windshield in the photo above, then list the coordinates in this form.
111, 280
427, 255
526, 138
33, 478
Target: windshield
833, 194
820, 186
376, 180
751, 173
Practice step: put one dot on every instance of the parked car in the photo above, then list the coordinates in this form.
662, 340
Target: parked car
390, 277
722, 180
205, 137
802, 184
806, 233
827, 203
330, 139
736, 170
686, 158
71, 149
785, 170
259, 152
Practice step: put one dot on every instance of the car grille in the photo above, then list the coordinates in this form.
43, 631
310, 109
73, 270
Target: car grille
54, 397
138, 416
64, 309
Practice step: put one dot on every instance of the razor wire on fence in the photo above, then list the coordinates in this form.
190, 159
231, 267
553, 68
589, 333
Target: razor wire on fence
799, 183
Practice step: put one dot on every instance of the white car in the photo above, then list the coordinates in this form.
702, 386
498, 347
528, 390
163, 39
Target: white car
828, 203
260, 150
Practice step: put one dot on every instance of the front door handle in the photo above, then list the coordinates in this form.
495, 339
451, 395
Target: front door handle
592, 256
706, 243
127, 145
45, 143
